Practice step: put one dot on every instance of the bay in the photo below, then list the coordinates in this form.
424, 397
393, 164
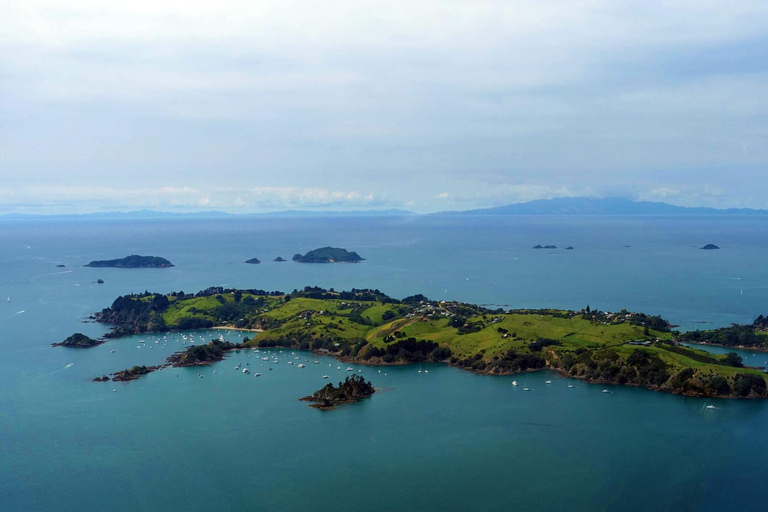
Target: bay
443, 440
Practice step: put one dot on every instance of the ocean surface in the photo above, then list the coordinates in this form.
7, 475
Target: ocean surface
443, 440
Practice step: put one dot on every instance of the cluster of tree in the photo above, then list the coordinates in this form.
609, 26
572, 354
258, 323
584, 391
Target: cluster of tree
409, 350
363, 295
218, 290
132, 373
760, 322
656, 323
641, 367
135, 314
745, 384
536, 346
734, 336
511, 362
203, 354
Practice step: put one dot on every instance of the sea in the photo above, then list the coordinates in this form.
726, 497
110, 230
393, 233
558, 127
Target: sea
441, 439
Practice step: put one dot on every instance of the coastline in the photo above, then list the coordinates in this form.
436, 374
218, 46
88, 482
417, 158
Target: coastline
225, 328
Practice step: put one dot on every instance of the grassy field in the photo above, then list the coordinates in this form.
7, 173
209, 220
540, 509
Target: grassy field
601, 347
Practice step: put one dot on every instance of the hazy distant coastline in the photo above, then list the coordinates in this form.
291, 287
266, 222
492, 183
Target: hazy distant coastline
559, 206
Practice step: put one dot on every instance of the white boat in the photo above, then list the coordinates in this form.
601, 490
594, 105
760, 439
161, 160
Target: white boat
570, 385
606, 391
514, 383
548, 382
349, 369
359, 371
246, 370
526, 389
202, 376
711, 407
257, 375
301, 365
325, 376
112, 351
290, 362
316, 362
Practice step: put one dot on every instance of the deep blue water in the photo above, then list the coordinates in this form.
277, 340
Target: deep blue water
443, 440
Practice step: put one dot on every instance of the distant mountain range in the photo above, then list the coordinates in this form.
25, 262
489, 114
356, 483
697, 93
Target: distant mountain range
609, 206
559, 206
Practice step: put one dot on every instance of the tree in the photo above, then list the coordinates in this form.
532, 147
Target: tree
733, 359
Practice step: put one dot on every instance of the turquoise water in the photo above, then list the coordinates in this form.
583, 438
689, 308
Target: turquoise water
442, 440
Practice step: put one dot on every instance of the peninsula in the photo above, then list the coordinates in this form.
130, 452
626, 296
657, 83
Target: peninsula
133, 261
368, 327
328, 255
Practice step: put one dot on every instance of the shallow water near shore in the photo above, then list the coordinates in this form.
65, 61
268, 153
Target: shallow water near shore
445, 439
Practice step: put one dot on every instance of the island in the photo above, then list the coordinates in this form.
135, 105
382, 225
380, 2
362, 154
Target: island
569, 248
79, 340
710, 247
133, 261
133, 373
253, 261
60, 266
279, 259
365, 326
545, 247
328, 255
353, 389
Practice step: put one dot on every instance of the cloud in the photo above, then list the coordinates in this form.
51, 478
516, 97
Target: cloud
423, 103
85, 199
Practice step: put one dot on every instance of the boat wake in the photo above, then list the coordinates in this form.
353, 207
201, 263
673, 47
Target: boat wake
52, 274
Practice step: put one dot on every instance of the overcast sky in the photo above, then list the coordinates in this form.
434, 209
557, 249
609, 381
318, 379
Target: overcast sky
247, 106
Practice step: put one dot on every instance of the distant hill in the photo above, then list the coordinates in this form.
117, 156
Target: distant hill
152, 214
328, 255
133, 261
608, 206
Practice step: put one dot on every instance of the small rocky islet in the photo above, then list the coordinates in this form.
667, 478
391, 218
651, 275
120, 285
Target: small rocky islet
79, 340
352, 389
